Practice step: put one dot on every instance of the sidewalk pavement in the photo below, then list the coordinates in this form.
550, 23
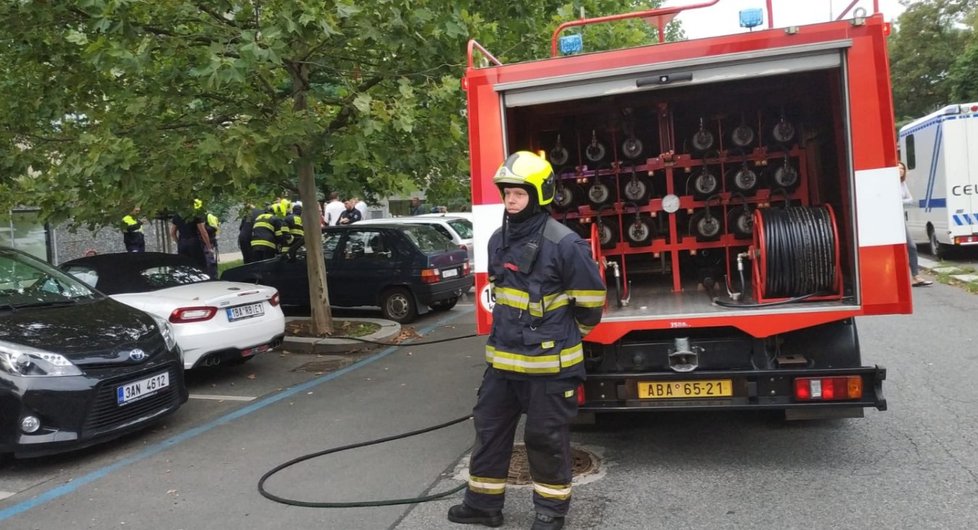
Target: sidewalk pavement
936, 267
225, 257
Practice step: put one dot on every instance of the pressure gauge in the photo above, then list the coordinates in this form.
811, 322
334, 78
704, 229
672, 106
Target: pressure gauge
670, 203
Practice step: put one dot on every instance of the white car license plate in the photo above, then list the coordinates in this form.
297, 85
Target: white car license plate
449, 273
245, 311
146, 387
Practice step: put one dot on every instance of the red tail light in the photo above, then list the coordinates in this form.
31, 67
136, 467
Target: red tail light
430, 275
466, 270
829, 388
274, 300
182, 315
580, 395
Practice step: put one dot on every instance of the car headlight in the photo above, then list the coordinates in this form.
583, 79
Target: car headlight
167, 331
17, 359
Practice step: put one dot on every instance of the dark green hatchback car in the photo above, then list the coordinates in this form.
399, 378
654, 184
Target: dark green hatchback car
403, 269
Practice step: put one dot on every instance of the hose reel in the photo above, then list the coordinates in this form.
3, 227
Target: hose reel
743, 179
636, 188
595, 150
785, 175
742, 135
796, 252
558, 153
702, 139
639, 232
607, 232
703, 183
599, 193
740, 221
704, 225
567, 194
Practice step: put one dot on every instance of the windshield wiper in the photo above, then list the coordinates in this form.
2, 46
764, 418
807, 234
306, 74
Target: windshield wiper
56, 303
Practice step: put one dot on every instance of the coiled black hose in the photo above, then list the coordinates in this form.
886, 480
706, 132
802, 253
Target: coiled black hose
799, 251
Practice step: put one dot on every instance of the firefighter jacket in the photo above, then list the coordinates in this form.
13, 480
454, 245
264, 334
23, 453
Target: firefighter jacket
297, 236
545, 300
132, 233
213, 226
268, 232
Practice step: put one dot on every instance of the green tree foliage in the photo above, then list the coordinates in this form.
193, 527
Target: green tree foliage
964, 72
115, 103
109, 104
926, 60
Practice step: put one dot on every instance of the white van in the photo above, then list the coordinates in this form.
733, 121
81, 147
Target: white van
941, 154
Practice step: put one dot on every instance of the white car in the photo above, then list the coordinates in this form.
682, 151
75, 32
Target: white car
214, 322
454, 227
463, 215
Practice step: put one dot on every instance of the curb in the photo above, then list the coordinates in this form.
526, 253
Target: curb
388, 329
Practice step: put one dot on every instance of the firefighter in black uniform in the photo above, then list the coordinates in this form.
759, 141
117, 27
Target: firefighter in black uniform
244, 231
549, 294
293, 223
268, 234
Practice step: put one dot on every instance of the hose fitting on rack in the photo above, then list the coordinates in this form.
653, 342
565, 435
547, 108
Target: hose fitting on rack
613, 265
740, 270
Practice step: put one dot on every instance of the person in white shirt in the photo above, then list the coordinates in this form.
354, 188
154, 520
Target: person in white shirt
333, 209
360, 205
917, 279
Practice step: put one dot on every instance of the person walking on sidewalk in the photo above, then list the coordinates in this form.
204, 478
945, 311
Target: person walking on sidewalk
549, 294
916, 279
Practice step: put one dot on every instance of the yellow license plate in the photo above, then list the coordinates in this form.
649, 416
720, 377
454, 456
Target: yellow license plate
705, 388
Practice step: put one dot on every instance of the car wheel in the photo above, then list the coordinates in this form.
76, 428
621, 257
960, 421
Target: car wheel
398, 305
445, 305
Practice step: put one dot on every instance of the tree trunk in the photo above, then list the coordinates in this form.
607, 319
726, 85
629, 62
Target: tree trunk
321, 318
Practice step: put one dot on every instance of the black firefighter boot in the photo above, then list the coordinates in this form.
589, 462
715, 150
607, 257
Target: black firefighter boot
547, 522
462, 513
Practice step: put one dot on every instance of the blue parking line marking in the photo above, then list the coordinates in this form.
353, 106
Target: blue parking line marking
189, 434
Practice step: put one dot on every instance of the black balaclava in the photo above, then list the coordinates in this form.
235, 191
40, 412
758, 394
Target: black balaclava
532, 207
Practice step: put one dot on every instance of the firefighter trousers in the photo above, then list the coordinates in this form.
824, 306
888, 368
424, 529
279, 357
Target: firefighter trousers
549, 405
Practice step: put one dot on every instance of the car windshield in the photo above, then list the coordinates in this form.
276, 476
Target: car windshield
163, 276
26, 281
462, 226
427, 239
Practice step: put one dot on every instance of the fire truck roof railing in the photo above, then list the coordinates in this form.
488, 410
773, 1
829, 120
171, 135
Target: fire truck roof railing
659, 18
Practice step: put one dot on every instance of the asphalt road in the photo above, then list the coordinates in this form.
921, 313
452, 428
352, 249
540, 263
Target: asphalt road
913, 466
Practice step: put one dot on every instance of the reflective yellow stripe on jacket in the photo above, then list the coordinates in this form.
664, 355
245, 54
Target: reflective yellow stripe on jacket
586, 298
534, 364
518, 299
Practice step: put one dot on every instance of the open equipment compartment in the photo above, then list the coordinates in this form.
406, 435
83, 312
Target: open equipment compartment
670, 178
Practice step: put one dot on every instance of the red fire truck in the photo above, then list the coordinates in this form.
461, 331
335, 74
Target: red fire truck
740, 193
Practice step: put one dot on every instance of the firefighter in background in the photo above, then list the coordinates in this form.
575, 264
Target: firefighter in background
293, 223
245, 228
213, 226
268, 234
191, 236
132, 232
549, 294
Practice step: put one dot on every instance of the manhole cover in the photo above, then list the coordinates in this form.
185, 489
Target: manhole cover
324, 365
582, 463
